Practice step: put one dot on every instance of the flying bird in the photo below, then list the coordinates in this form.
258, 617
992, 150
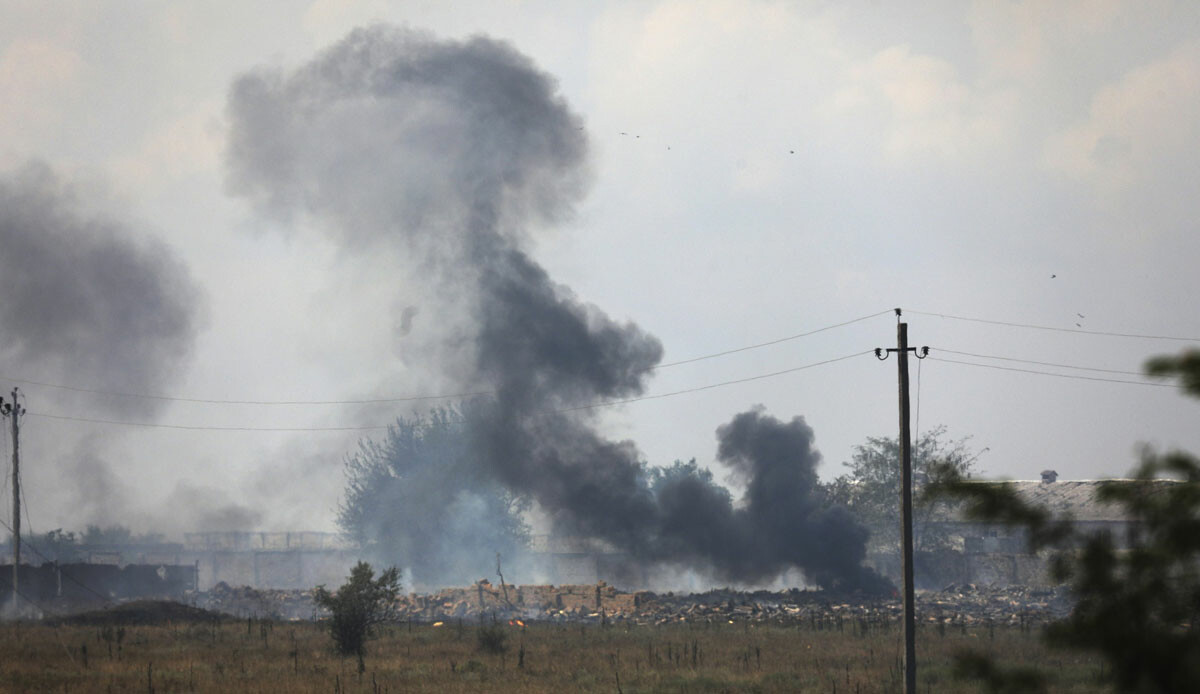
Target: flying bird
1053, 276
1081, 315
1078, 325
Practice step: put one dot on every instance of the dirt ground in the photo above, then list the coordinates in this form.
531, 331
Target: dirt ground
162, 649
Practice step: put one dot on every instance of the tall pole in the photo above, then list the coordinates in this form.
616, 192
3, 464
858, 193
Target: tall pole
16, 487
906, 524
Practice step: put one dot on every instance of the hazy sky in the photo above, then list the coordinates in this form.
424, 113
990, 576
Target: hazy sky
758, 170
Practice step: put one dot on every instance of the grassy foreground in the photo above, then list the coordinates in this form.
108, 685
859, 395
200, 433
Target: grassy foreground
254, 656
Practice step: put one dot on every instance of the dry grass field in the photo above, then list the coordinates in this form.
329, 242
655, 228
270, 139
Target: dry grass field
263, 656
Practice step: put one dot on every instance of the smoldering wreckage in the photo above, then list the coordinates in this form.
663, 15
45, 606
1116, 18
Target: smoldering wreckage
959, 605
448, 156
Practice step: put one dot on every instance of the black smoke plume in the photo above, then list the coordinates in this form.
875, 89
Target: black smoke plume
453, 152
83, 301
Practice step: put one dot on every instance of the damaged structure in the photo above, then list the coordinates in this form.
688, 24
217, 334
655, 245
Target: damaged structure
292, 560
997, 555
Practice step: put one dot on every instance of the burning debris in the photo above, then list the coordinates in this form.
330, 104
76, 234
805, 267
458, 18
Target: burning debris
961, 605
244, 601
957, 605
446, 155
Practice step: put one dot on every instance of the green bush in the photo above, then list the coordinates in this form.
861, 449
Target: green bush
357, 606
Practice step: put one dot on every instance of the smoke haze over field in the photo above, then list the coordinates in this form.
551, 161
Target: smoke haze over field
86, 300
729, 172
455, 152
82, 300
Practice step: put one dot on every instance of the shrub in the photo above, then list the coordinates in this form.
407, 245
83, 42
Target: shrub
360, 604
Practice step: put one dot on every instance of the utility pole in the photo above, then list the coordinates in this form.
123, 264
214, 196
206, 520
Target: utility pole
906, 525
14, 410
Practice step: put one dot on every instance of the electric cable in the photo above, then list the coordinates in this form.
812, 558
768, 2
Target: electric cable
33, 548
1055, 329
413, 398
1039, 363
768, 344
1057, 375
588, 406
157, 425
37, 605
206, 401
610, 403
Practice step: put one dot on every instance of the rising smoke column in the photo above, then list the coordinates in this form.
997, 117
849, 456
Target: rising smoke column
88, 302
782, 512
454, 152
83, 301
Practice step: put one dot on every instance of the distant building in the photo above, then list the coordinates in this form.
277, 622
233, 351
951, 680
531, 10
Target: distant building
582, 560
997, 554
269, 559
256, 559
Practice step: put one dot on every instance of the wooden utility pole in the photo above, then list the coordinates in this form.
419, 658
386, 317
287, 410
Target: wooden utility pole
906, 525
14, 410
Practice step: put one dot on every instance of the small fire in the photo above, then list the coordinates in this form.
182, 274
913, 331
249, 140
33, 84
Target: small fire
515, 623
438, 624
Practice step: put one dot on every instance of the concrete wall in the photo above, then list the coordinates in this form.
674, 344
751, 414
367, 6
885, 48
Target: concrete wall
274, 569
92, 582
249, 541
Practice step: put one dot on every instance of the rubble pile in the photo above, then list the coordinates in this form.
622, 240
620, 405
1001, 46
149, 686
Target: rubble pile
244, 601
958, 604
528, 602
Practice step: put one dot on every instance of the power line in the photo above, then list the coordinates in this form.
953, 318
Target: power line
772, 342
157, 425
1040, 363
607, 403
69, 577
206, 401
1049, 373
713, 385
39, 606
1052, 328
413, 398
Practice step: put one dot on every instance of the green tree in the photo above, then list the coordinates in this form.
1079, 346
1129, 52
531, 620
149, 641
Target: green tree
871, 487
658, 477
57, 545
1137, 596
361, 603
419, 498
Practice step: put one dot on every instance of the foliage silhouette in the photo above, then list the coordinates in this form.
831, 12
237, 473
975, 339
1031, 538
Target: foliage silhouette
419, 499
1138, 593
870, 488
361, 603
